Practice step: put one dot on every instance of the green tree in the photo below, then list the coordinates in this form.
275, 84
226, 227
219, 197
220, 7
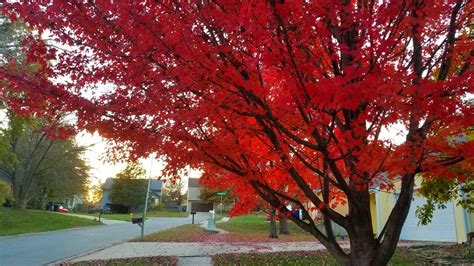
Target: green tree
172, 194
210, 195
42, 169
129, 187
94, 190
12, 34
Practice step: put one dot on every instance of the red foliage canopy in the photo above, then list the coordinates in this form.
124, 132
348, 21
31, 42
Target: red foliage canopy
282, 98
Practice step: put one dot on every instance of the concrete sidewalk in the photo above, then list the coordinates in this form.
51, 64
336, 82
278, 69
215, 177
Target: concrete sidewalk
102, 220
193, 253
196, 253
195, 249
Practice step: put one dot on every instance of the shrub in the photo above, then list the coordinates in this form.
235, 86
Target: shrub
5, 192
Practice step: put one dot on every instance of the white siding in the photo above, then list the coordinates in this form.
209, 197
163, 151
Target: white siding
441, 228
194, 193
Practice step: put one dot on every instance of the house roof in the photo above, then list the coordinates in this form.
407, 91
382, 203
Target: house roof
154, 185
194, 182
108, 183
5, 176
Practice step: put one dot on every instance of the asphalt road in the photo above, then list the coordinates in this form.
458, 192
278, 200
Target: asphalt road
48, 247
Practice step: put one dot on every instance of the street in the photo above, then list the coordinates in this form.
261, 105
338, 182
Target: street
48, 247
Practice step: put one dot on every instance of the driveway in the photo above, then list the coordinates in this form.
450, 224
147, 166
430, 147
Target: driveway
48, 247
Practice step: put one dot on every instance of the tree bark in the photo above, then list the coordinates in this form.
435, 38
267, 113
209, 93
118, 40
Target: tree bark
273, 227
20, 200
363, 242
284, 226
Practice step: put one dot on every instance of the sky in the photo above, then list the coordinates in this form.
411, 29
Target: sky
96, 155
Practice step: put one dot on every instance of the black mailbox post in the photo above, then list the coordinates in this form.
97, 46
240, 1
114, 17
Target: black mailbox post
138, 221
193, 213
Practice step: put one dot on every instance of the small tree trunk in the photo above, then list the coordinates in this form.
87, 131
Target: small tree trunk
284, 226
273, 227
20, 199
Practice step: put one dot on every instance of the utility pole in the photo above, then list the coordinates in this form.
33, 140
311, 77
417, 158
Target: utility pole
222, 207
146, 198
222, 193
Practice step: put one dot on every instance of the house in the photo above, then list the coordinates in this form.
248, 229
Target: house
154, 197
195, 203
451, 224
5, 176
73, 202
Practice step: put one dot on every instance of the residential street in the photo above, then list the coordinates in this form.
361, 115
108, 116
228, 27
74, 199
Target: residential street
47, 247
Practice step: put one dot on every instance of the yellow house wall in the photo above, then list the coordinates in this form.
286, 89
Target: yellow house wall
373, 213
384, 206
471, 220
385, 203
342, 209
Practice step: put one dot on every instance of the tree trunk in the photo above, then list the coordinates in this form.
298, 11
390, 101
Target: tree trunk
363, 243
273, 227
284, 226
20, 200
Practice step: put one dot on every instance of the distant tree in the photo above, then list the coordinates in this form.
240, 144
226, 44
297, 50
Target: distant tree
283, 222
12, 36
172, 193
94, 191
129, 187
43, 168
273, 228
210, 195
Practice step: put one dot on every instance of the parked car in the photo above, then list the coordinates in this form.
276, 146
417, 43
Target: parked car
106, 210
59, 208
93, 211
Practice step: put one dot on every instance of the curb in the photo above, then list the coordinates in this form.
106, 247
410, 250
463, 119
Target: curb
65, 261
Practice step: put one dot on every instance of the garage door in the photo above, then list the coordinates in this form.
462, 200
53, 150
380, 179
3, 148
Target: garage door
441, 228
201, 206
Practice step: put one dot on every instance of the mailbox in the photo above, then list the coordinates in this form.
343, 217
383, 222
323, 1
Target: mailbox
193, 213
137, 220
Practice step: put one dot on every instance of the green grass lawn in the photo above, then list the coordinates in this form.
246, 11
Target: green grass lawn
255, 227
14, 222
176, 214
247, 228
128, 217
118, 216
184, 233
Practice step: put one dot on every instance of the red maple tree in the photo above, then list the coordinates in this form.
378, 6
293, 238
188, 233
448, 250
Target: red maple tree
284, 99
